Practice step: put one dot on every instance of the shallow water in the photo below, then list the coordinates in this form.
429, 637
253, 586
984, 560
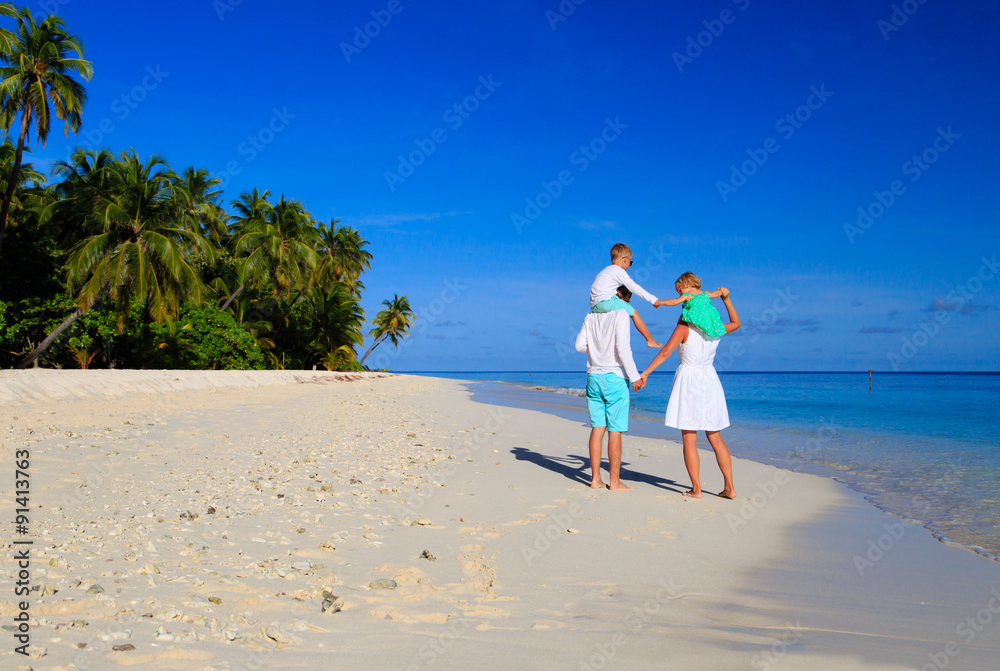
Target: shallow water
922, 446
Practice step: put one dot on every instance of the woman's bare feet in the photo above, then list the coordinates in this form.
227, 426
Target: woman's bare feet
693, 494
728, 494
597, 484
619, 487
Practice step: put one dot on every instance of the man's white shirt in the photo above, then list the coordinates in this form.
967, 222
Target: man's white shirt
605, 339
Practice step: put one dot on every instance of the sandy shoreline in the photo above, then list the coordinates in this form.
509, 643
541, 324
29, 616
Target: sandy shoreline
201, 521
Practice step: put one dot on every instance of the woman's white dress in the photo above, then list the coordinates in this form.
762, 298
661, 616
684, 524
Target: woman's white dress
697, 401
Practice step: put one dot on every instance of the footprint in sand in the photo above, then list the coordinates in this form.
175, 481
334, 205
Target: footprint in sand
411, 618
607, 593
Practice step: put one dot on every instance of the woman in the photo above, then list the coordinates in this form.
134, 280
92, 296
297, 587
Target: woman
697, 402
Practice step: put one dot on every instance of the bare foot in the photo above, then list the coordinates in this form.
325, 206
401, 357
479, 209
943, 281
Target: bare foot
728, 494
653, 344
596, 484
619, 487
693, 494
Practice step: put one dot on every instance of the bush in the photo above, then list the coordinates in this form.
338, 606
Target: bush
204, 338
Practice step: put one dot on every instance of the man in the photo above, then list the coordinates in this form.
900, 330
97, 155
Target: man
610, 367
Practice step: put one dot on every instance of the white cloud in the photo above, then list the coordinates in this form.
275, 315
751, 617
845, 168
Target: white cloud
388, 220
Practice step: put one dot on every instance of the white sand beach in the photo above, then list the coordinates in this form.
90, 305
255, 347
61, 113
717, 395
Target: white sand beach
209, 520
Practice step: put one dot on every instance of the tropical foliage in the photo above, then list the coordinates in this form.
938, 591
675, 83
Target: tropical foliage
40, 63
392, 323
120, 261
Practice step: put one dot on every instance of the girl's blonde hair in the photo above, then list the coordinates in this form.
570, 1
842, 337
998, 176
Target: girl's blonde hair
688, 280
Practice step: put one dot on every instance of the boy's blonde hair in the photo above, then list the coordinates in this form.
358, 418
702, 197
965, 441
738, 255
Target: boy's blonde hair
620, 250
688, 280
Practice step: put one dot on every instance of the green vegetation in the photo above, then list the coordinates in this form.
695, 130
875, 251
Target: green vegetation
121, 262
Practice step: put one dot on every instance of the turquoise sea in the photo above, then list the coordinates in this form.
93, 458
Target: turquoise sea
923, 446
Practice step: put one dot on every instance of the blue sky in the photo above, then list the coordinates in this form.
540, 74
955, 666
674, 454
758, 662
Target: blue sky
735, 139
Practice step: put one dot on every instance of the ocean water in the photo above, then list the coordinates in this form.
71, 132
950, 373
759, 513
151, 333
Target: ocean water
921, 446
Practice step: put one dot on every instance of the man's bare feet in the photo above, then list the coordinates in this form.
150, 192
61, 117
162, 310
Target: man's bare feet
597, 484
728, 494
619, 487
693, 494
653, 344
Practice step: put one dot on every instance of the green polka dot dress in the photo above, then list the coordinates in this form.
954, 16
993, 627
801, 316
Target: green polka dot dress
699, 312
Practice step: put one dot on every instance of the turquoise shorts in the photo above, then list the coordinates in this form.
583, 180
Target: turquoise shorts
607, 401
612, 304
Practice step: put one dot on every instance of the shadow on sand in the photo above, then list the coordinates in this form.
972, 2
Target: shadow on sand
577, 468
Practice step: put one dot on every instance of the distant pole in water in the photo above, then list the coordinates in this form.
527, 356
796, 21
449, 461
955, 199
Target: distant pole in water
870, 381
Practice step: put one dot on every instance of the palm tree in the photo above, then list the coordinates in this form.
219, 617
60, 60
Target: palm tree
199, 204
277, 241
37, 79
250, 211
26, 175
7, 37
336, 321
84, 179
343, 255
85, 170
172, 339
139, 251
393, 323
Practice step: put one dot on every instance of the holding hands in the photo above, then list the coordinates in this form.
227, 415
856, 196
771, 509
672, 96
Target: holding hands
639, 384
671, 302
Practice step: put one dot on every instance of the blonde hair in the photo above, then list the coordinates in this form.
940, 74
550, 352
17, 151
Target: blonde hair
688, 280
620, 250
